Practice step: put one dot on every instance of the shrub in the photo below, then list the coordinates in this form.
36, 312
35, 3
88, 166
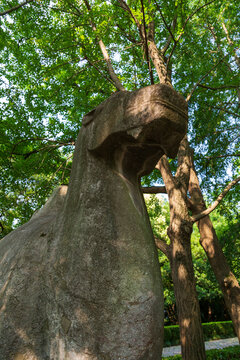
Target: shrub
171, 335
211, 331
230, 353
218, 330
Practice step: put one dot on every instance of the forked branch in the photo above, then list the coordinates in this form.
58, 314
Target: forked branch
166, 25
216, 202
202, 78
115, 79
125, 7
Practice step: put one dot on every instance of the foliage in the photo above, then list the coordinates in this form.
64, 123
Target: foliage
171, 335
211, 331
210, 296
228, 231
52, 72
229, 353
218, 330
158, 210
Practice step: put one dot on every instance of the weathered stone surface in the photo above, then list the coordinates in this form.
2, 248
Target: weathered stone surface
81, 279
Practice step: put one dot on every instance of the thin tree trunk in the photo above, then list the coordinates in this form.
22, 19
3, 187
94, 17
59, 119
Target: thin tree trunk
106, 57
179, 232
191, 335
157, 57
210, 243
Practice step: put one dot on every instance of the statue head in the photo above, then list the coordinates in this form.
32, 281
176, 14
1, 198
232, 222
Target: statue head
138, 127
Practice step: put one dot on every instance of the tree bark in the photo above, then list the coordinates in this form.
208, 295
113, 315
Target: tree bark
154, 190
158, 62
191, 335
157, 57
179, 232
210, 243
181, 224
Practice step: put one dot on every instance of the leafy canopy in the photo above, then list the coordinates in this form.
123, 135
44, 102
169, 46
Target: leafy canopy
53, 72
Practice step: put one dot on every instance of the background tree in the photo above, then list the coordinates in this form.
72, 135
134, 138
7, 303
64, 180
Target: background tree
211, 303
63, 58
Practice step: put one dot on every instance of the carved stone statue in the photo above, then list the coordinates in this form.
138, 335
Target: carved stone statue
81, 279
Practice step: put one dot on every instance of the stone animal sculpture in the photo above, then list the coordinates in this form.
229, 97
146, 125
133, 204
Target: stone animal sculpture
81, 279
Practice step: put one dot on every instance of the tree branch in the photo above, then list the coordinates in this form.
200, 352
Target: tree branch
164, 168
222, 156
203, 77
194, 12
1, 226
163, 246
115, 79
157, 58
125, 7
56, 144
196, 203
35, 151
226, 111
61, 165
211, 29
14, 8
128, 35
66, 11
183, 28
216, 202
237, 59
100, 72
168, 42
70, 141
230, 42
167, 27
237, 127
154, 190
146, 45
219, 87
184, 165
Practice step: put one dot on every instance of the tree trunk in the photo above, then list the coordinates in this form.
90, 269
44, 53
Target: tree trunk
191, 335
180, 229
158, 62
210, 243
179, 232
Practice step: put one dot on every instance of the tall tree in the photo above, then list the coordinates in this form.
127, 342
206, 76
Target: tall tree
179, 253
63, 59
211, 245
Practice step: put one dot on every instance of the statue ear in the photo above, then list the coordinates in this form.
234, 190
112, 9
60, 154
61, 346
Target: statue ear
89, 117
105, 120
